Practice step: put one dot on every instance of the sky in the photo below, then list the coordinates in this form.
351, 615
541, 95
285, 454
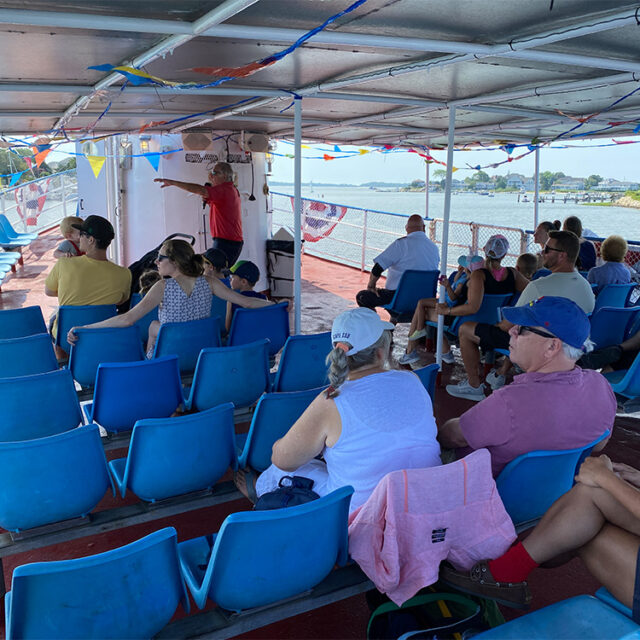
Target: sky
620, 161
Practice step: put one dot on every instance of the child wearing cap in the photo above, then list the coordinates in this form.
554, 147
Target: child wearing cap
69, 247
244, 275
215, 265
456, 287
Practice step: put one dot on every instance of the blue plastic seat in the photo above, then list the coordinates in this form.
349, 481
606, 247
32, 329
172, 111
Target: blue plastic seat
611, 325
614, 295
626, 382
583, 617
249, 325
413, 286
143, 324
605, 595
126, 392
532, 482
17, 323
94, 346
488, 313
187, 340
230, 374
219, 309
27, 356
78, 316
129, 592
51, 479
38, 406
7, 227
171, 456
6, 242
428, 377
275, 414
303, 362
260, 557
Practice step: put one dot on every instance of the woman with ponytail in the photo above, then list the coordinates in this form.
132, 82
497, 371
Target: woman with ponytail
184, 293
372, 419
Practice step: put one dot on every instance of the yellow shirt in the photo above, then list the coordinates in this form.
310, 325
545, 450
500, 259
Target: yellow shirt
85, 280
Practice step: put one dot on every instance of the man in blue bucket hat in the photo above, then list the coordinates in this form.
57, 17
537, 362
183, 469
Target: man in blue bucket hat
553, 404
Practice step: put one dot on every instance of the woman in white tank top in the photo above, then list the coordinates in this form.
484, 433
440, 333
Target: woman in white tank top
371, 420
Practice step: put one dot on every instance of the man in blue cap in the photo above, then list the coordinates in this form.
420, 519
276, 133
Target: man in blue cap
553, 405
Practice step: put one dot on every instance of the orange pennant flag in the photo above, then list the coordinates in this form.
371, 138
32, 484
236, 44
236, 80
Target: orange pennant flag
41, 155
328, 157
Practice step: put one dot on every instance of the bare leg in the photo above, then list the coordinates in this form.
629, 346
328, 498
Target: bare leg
424, 306
154, 328
433, 317
470, 353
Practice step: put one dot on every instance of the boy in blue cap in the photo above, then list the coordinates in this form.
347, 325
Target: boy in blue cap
244, 275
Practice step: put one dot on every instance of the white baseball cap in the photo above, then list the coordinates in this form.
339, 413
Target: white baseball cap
496, 247
359, 327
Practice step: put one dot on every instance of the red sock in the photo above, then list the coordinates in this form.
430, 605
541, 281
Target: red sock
513, 566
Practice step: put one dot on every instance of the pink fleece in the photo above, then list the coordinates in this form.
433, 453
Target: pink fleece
416, 518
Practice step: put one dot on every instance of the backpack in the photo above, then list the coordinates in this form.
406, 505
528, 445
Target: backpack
291, 491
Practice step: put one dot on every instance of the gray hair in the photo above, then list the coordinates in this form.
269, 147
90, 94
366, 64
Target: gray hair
574, 353
340, 364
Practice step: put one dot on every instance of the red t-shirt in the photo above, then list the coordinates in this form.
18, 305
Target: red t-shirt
225, 212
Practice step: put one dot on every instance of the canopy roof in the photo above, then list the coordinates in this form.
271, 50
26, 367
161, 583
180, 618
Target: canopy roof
386, 72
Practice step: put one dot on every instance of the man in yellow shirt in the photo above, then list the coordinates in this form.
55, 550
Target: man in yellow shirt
91, 278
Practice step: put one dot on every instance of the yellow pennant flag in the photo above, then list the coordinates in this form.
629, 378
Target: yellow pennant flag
96, 163
454, 169
363, 151
305, 146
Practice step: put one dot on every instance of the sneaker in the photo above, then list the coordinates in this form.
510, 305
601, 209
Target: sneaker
465, 390
448, 357
408, 358
416, 335
495, 380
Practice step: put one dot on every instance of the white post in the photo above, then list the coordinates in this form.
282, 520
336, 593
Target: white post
63, 179
445, 226
297, 213
426, 190
536, 196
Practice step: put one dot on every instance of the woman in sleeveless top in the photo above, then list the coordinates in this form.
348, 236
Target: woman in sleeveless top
182, 294
369, 422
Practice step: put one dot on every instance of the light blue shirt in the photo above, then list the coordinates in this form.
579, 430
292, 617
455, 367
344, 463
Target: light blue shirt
609, 273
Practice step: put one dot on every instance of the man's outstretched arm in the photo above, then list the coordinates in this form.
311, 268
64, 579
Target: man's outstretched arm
191, 187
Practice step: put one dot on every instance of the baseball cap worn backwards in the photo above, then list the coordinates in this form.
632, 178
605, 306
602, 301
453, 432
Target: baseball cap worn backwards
471, 262
98, 227
216, 258
560, 316
360, 328
496, 247
247, 270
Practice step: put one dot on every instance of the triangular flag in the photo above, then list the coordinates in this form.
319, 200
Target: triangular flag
328, 157
96, 163
388, 146
305, 146
15, 177
336, 149
154, 159
28, 161
363, 151
41, 155
454, 169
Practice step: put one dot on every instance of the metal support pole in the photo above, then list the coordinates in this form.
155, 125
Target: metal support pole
536, 195
426, 191
63, 179
364, 240
297, 215
445, 227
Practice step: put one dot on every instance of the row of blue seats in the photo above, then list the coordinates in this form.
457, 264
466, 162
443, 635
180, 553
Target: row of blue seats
133, 591
10, 238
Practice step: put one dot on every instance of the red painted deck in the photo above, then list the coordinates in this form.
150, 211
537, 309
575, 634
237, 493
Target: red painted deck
328, 289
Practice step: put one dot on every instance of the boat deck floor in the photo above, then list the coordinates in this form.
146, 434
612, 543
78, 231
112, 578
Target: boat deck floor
327, 289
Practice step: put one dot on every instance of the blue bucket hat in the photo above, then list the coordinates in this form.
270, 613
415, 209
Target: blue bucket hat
560, 316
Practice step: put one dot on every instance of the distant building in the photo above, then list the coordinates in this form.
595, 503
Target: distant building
515, 181
610, 184
569, 183
484, 186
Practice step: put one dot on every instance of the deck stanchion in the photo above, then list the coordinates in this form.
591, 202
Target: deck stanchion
64, 195
426, 190
536, 195
445, 226
364, 240
297, 207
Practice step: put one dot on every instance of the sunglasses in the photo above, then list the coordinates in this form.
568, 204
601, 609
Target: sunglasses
544, 334
161, 257
547, 248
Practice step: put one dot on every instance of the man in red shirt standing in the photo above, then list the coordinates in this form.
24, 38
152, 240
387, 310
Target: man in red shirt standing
224, 208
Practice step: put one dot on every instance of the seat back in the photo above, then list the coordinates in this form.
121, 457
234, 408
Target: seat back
414, 285
614, 295
27, 356
260, 557
94, 346
186, 340
218, 309
275, 414
230, 374
143, 324
11, 233
126, 392
171, 456
488, 313
541, 477
610, 325
428, 377
249, 325
51, 479
626, 383
77, 316
38, 405
129, 592
17, 323
302, 363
